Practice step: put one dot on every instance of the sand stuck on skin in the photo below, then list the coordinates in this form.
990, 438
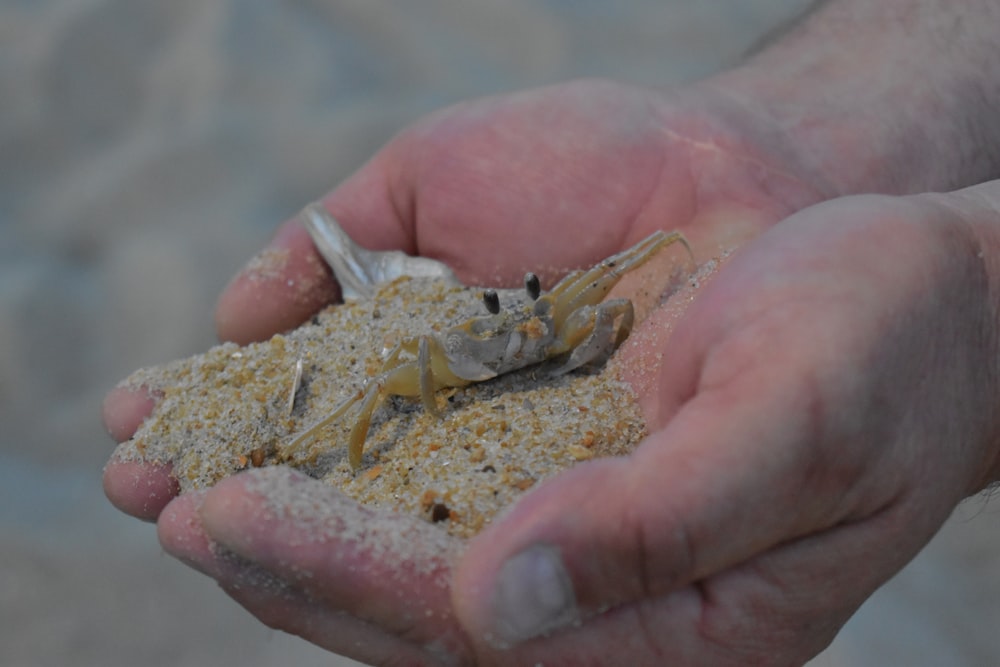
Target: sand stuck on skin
235, 407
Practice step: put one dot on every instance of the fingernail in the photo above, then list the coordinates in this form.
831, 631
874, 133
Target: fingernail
533, 595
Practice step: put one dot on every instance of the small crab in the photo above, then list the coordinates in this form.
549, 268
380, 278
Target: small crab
572, 320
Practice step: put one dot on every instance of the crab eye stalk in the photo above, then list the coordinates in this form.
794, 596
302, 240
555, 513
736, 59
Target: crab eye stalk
532, 285
492, 301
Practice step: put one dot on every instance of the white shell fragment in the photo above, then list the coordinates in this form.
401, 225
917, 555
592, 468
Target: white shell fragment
357, 269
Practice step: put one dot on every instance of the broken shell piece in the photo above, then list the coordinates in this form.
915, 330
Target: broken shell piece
357, 269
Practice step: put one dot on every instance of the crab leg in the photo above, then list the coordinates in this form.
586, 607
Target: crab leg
356, 441
421, 377
391, 362
591, 334
407, 379
592, 286
427, 387
567, 280
290, 449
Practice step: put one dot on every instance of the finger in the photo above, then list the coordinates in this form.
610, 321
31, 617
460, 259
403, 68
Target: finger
277, 290
288, 281
284, 608
780, 608
389, 570
124, 409
276, 603
139, 488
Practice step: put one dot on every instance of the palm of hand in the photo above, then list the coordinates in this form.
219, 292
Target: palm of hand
801, 432
496, 186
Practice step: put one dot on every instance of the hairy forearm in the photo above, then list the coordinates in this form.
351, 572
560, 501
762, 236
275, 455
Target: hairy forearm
892, 96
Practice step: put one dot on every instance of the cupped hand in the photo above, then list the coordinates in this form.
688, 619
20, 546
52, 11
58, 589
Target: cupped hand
820, 409
824, 404
543, 180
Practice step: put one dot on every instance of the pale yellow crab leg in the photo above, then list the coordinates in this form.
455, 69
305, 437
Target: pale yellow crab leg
566, 281
291, 448
421, 378
400, 377
426, 376
359, 432
391, 361
592, 286
575, 280
591, 334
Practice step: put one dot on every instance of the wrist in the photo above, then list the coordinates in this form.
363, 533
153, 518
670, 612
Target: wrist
892, 97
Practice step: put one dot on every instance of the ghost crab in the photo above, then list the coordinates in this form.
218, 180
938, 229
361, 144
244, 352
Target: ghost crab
571, 320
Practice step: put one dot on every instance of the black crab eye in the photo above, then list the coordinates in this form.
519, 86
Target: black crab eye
532, 285
492, 301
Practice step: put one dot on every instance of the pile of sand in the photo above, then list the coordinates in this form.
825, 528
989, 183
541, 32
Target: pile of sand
235, 407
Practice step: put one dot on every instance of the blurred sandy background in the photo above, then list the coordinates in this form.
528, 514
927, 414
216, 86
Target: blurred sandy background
148, 148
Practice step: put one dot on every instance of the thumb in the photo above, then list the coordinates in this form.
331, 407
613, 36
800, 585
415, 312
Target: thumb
697, 497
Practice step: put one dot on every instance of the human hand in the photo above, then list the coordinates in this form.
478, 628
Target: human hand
471, 185
388, 617
610, 163
821, 408
496, 187
819, 411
